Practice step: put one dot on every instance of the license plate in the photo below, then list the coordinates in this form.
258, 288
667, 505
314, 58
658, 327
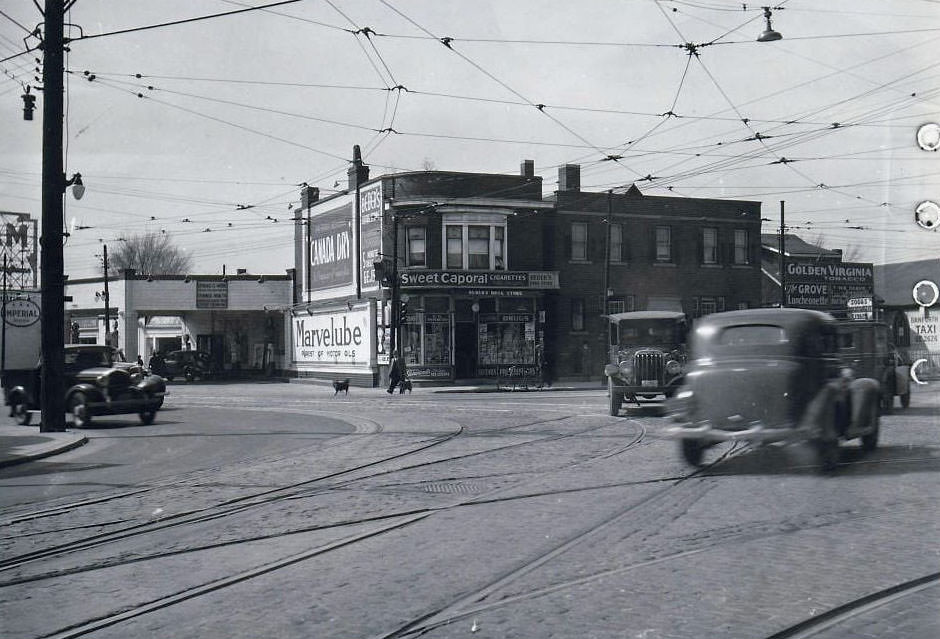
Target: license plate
649, 382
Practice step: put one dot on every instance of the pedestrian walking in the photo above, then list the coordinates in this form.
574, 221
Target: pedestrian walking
396, 372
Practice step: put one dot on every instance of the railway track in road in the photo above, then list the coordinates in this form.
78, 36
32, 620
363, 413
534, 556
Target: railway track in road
384, 523
307, 488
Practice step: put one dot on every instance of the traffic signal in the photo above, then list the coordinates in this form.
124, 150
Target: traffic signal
383, 272
29, 103
402, 312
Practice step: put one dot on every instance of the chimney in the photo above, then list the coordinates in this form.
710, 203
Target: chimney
308, 195
569, 177
358, 172
527, 168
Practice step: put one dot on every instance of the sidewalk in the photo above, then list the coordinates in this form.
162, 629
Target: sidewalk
20, 444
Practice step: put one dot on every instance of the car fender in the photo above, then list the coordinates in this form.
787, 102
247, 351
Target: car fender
819, 417
15, 392
90, 390
865, 394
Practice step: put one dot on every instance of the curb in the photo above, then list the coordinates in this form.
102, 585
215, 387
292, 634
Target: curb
46, 449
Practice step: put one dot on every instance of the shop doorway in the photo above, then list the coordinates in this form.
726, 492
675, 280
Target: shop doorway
214, 345
465, 350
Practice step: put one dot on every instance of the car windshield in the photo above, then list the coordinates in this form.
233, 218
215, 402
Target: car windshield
86, 358
648, 332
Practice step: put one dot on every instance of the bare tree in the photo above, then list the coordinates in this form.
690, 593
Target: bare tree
151, 254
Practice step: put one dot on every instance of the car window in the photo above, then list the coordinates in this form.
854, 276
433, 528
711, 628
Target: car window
846, 340
85, 359
750, 335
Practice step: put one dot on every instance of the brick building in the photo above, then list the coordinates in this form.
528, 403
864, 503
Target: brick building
493, 278
697, 256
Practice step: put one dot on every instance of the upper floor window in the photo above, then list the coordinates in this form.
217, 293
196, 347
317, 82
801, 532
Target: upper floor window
709, 245
742, 254
617, 253
579, 241
475, 246
417, 246
577, 314
663, 244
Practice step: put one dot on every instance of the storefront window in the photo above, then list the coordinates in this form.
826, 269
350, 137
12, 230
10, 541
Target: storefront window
426, 334
505, 339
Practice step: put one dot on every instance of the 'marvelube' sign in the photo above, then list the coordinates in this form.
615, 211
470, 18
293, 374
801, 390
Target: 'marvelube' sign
334, 338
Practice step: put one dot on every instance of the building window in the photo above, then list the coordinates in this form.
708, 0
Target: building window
663, 244
454, 246
616, 243
475, 246
577, 314
614, 306
417, 246
478, 247
709, 245
579, 237
708, 305
499, 248
741, 248
742, 306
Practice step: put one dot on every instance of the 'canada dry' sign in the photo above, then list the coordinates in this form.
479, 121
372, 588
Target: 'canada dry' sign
333, 338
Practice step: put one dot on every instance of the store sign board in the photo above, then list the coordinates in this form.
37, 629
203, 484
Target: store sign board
18, 244
486, 279
22, 331
211, 294
429, 372
332, 338
810, 284
371, 210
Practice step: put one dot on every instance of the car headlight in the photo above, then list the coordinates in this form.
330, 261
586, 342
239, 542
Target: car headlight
673, 367
626, 367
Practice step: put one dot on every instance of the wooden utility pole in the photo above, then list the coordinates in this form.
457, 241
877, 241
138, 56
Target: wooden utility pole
107, 303
783, 259
52, 262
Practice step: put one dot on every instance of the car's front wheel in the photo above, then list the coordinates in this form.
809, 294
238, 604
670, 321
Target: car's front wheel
905, 400
20, 412
616, 398
827, 451
189, 374
78, 408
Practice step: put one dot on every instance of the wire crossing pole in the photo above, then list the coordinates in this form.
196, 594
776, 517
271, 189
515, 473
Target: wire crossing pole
52, 268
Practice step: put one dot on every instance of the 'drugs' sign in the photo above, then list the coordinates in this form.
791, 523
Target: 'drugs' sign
332, 338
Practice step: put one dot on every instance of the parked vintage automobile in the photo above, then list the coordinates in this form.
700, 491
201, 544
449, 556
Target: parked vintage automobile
867, 347
189, 365
772, 375
94, 386
101, 354
647, 355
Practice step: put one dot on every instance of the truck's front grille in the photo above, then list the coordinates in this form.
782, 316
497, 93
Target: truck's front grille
648, 365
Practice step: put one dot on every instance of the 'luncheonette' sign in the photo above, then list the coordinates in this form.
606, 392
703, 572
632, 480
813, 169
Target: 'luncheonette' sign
472, 279
332, 338
811, 284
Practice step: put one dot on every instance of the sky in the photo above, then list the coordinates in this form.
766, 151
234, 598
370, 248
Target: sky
205, 130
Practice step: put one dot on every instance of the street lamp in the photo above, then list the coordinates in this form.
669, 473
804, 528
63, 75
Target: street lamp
78, 187
768, 34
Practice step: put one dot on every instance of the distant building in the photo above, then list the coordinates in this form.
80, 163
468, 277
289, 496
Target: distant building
494, 278
916, 328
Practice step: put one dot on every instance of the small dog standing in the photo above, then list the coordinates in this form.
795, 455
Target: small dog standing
340, 385
402, 385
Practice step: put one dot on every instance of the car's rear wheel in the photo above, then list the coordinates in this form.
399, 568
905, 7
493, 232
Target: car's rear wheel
20, 412
189, 374
905, 400
78, 409
147, 415
692, 451
616, 398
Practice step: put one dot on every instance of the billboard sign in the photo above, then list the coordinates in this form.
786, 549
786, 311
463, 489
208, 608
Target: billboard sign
371, 211
831, 286
530, 280
18, 244
339, 337
329, 249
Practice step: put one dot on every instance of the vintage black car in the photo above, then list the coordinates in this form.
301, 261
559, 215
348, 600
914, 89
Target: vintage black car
95, 385
867, 347
189, 365
647, 355
772, 375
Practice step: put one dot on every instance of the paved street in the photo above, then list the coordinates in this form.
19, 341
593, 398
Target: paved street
279, 510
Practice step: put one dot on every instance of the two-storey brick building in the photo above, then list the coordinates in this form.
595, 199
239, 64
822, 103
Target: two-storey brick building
486, 277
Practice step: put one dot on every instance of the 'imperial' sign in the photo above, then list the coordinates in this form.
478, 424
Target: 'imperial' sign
489, 279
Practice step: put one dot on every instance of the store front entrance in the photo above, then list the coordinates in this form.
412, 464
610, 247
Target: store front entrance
465, 350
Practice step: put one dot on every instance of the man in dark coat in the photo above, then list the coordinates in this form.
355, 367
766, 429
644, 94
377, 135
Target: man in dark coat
396, 372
